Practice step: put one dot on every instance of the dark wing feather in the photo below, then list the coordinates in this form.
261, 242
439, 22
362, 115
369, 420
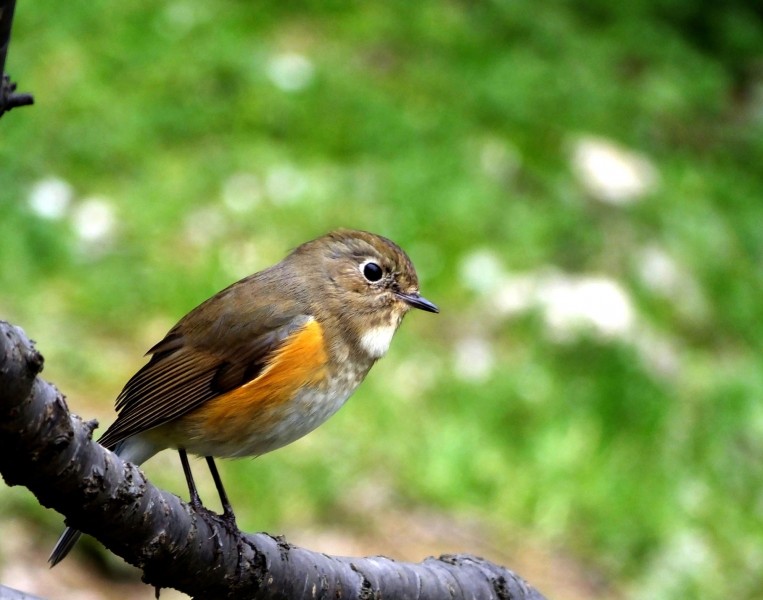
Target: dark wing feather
183, 375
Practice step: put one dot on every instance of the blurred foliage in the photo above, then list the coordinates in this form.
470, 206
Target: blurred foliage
216, 136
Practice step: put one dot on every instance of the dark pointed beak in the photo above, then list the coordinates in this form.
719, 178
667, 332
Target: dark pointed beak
416, 301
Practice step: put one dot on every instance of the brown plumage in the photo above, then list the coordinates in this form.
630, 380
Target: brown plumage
268, 359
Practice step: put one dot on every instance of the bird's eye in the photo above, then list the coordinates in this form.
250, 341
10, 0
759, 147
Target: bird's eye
372, 271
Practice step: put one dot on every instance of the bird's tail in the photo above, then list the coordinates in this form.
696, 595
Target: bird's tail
64, 545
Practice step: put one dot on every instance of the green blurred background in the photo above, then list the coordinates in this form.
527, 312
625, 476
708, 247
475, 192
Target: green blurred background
579, 185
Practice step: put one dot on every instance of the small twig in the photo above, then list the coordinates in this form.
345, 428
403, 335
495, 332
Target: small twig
9, 99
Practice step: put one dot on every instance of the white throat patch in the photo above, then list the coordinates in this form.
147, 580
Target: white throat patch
376, 341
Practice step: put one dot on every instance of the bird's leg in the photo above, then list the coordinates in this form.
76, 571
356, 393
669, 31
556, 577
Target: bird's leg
192, 492
228, 515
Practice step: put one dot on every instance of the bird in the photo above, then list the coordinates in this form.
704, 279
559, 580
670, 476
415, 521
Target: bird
266, 360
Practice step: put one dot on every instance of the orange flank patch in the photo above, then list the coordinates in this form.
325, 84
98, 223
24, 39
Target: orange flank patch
300, 361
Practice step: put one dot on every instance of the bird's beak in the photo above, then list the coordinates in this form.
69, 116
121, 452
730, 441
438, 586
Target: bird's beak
416, 301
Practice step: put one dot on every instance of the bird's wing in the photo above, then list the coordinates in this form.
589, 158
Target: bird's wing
189, 368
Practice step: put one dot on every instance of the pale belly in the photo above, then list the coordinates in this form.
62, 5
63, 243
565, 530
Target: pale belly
260, 431
249, 428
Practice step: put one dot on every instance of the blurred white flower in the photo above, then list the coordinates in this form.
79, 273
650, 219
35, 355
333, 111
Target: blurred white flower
51, 198
569, 305
241, 258
499, 160
473, 358
242, 192
413, 377
658, 270
666, 277
290, 72
204, 225
94, 220
610, 173
657, 351
568, 302
285, 184
516, 293
481, 271
181, 17
598, 303
682, 556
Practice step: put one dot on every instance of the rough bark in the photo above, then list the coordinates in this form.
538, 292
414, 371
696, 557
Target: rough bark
49, 450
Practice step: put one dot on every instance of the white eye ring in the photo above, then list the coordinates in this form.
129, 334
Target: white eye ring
371, 271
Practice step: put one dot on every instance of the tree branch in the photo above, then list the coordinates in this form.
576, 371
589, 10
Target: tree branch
49, 450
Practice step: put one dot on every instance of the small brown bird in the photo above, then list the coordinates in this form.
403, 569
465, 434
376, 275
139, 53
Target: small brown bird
266, 360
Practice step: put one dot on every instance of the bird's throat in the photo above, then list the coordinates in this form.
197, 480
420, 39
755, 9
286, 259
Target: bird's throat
376, 340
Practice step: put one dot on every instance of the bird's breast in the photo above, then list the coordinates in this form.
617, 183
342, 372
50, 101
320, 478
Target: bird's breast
302, 386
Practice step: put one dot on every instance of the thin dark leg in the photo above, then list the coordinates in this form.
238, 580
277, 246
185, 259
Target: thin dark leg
195, 500
227, 508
